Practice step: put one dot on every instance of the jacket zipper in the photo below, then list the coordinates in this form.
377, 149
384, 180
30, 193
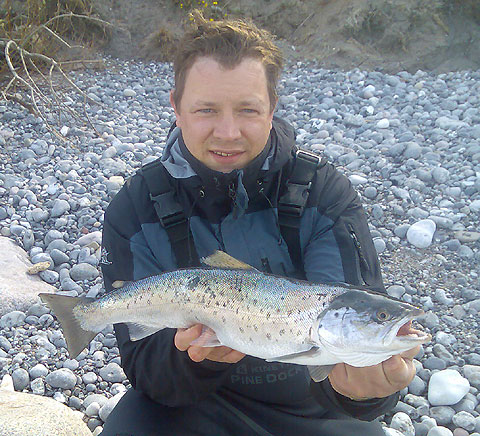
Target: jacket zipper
361, 262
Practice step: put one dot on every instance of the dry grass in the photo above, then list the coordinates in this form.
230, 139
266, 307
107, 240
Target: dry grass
160, 46
52, 28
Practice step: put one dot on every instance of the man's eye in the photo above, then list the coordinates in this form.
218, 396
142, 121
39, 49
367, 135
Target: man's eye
249, 111
205, 111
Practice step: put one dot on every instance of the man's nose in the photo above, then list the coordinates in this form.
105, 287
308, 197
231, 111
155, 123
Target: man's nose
227, 128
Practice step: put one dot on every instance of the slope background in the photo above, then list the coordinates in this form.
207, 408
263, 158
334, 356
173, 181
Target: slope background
384, 35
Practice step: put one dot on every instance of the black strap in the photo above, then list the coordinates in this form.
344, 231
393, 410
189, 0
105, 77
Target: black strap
290, 208
292, 203
259, 431
170, 213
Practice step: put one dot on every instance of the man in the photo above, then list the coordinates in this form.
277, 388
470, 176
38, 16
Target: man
228, 162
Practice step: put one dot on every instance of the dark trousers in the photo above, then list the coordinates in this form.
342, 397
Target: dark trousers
136, 415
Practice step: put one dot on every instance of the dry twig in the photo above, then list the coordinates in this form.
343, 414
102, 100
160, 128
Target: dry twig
36, 91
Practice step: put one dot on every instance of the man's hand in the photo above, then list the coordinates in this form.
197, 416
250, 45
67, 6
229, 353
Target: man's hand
376, 381
184, 337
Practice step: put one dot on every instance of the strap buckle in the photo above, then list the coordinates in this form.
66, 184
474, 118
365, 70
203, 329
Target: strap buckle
168, 210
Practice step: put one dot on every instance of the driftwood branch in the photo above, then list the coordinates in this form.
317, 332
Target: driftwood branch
34, 75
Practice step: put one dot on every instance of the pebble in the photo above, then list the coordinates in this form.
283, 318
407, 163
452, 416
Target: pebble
465, 420
440, 431
402, 422
112, 373
447, 387
421, 233
61, 378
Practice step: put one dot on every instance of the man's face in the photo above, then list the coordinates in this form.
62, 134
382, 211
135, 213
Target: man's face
225, 114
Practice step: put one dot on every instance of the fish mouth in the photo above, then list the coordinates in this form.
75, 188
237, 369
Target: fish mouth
403, 333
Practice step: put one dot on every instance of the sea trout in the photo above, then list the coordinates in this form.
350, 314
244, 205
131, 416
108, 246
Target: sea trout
262, 315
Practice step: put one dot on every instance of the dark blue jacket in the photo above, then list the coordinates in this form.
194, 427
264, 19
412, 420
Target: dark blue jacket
237, 213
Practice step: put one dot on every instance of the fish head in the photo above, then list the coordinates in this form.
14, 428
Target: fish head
362, 327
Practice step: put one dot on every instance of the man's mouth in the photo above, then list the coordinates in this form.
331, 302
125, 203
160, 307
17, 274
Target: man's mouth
225, 154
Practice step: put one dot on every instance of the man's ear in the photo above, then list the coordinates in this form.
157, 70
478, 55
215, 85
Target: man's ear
172, 102
273, 111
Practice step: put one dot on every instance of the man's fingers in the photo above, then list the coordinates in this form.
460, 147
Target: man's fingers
184, 337
410, 354
215, 354
399, 371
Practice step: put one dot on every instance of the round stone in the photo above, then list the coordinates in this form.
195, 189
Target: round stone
421, 233
447, 387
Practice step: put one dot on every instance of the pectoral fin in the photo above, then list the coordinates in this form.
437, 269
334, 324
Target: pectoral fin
140, 331
319, 373
208, 338
313, 356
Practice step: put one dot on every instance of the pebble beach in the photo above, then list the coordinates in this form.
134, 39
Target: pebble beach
409, 143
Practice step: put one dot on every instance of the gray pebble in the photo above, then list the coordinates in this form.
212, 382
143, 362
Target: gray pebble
39, 370
83, 271
61, 378
442, 414
21, 379
112, 373
465, 420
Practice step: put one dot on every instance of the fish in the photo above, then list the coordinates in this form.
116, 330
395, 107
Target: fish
274, 318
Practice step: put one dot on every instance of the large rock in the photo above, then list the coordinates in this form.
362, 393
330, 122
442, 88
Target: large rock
18, 290
24, 414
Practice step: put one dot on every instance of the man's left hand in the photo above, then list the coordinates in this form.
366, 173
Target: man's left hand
376, 381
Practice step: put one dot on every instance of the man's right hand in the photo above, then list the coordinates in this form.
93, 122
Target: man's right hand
184, 337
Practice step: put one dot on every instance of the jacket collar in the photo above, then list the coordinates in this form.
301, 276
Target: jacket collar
181, 164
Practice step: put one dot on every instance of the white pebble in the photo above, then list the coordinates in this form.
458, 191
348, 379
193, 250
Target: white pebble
447, 387
383, 124
421, 233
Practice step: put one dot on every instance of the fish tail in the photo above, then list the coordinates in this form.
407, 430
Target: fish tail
77, 338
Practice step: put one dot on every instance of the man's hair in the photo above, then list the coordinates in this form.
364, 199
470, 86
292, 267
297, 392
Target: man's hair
228, 42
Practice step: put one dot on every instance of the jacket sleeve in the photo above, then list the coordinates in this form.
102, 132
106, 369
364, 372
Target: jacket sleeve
153, 365
341, 250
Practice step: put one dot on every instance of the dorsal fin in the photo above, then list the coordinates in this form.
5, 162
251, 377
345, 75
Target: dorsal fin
220, 259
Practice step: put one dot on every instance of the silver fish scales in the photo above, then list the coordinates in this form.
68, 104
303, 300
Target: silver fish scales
274, 318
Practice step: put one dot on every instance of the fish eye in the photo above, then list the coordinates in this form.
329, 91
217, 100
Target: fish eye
383, 315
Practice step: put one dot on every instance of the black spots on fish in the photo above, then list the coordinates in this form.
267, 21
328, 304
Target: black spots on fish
255, 327
224, 320
193, 282
282, 298
268, 315
250, 339
255, 301
269, 336
299, 333
242, 330
336, 314
282, 332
